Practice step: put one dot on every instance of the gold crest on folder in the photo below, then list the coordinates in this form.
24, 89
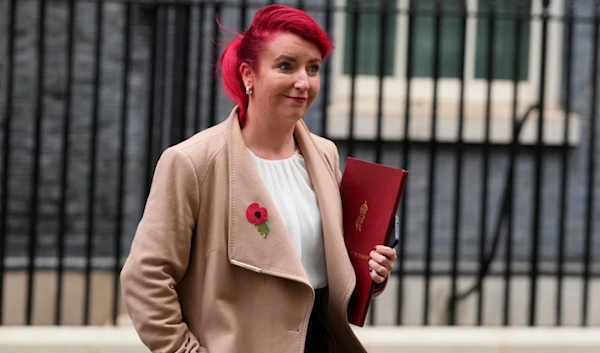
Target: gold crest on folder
361, 217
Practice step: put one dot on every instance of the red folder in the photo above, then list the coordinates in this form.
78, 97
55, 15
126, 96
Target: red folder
370, 196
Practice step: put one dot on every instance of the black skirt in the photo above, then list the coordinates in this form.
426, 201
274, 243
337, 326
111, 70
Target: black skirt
318, 336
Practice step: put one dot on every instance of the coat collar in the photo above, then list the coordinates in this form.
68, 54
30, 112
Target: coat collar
275, 255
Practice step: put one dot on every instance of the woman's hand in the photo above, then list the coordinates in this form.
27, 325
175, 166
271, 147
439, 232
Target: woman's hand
381, 263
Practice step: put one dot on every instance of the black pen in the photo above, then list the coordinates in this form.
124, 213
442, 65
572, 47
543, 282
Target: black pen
396, 238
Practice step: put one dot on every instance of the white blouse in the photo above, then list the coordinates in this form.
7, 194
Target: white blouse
289, 186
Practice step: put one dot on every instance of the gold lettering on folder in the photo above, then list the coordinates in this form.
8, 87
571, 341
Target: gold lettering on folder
360, 256
361, 217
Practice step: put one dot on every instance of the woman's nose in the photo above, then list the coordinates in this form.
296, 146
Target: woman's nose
302, 81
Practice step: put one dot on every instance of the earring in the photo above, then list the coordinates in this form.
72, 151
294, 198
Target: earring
248, 90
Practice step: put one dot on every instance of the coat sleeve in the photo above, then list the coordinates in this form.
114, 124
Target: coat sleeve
159, 257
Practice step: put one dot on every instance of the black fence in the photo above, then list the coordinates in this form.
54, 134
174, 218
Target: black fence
492, 106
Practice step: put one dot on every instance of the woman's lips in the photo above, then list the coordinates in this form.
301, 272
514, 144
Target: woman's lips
297, 99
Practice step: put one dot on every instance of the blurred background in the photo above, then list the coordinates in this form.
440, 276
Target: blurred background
491, 105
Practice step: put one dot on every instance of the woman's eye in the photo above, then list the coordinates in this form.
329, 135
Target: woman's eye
314, 69
285, 67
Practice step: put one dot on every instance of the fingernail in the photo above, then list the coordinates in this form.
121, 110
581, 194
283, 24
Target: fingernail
370, 269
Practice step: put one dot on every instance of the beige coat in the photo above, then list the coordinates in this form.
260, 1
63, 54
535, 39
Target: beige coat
200, 277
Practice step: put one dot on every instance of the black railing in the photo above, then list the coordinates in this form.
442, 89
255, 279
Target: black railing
92, 91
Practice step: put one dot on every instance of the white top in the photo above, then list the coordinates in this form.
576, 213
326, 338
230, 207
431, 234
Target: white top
290, 188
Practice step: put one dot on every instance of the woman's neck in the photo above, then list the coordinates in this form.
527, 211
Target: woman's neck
268, 138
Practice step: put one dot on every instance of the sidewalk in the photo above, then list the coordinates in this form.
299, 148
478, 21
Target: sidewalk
377, 340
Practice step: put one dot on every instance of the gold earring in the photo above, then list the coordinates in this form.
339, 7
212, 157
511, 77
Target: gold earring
248, 90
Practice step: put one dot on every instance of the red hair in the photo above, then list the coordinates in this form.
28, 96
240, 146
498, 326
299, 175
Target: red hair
267, 21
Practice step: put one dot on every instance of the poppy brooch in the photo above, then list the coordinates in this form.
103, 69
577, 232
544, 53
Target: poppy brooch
257, 215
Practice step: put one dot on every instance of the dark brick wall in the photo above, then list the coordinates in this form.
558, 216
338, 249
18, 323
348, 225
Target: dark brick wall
53, 112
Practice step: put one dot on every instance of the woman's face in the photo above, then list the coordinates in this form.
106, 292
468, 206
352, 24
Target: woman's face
287, 80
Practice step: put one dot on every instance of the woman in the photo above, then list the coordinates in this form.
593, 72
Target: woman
240, 248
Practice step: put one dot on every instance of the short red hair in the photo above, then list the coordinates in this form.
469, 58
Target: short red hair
269, 20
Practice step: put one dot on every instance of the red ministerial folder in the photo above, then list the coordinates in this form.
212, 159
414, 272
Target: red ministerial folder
370, 196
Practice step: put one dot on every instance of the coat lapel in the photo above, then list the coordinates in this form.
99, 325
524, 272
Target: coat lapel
340, 273
274, 254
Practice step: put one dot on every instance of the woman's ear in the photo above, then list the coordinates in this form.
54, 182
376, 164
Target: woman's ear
247, 74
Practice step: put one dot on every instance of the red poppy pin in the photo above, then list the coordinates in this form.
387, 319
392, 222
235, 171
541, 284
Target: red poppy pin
257, 215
